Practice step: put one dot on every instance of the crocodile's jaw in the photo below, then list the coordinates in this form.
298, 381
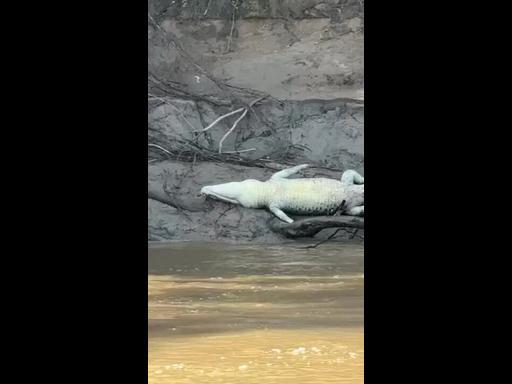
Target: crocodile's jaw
228, 192
246, 193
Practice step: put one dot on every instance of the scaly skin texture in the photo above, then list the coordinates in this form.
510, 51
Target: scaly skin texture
308, 196
300, 196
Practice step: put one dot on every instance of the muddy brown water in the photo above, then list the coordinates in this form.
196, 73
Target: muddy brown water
255, 314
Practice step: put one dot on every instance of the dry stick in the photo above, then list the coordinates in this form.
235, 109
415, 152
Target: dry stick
257, 100
242, 150
159, 147
219, 119
231, 129
207, 6
325, 240
232, 29
236, 122
224, 212
154, 22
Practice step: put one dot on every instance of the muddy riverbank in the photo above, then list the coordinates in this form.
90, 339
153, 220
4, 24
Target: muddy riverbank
205, 59
213, 220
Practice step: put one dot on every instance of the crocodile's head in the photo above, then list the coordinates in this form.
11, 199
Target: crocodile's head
237, 192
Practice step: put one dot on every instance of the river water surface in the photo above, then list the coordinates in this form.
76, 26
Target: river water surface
255, 314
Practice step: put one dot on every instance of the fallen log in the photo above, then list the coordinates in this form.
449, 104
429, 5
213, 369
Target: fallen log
309, 227
159, 195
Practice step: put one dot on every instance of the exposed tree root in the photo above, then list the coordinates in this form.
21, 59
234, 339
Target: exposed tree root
220, 118
159, 195
309, 227
231, 129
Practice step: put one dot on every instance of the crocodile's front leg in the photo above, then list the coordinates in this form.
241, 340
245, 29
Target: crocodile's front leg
288, 172
280, 214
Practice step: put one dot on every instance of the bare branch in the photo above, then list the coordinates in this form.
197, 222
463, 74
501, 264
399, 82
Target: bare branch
154, 22
207, 7
257, 100
241, 151
231, 129
232, 28
159, 147
229, 208
219, 119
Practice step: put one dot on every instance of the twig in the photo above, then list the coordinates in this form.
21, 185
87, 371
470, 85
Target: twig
251, 104
154, 22
302, 147
353, 117
340, 209
231, 129
224, 212
235, 124
256, 115
207, 7
325, 240
241, 151
159, 147
232, 28
219, 119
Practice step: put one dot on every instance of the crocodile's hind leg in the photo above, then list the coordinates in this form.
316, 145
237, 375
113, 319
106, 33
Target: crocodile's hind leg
280, 214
